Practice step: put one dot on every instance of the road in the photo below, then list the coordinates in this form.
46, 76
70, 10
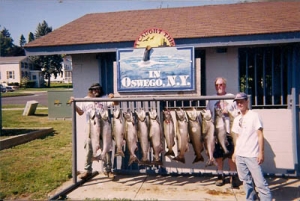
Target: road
40, 97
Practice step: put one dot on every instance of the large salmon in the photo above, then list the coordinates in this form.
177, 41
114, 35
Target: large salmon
155, 136
220, 127
195, 134
131, 136
106, 134
143, 135
182, 135
94, 131
208, 132
169, 132
118, 132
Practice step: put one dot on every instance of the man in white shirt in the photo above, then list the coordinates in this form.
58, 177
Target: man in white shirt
226, 106
249, 150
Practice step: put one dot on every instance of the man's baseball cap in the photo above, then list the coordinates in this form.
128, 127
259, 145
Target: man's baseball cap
95, 86
241, 96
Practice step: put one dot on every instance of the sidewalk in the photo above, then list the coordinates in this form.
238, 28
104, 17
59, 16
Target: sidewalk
152, 187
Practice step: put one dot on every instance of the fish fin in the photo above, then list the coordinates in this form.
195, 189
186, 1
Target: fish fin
170, 152
133, 159
98, 158
157, 162
179, 159
144, 162
198, 158
211, 163
120, 153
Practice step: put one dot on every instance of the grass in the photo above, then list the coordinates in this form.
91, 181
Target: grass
34, 169
26, 91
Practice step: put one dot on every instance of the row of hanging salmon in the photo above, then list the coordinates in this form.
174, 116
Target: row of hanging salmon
144, 127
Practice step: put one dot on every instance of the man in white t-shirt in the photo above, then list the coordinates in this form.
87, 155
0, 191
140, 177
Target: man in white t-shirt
92, 130
249, 150
228, 107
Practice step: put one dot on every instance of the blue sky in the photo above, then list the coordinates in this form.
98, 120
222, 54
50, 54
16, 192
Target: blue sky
23, 16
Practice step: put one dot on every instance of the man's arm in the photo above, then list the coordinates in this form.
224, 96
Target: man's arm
78, 109
260, 157
111, 95
233, 155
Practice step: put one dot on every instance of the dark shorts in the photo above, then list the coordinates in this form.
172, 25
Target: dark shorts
219, 153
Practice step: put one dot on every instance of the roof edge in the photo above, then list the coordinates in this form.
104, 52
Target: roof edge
259, 39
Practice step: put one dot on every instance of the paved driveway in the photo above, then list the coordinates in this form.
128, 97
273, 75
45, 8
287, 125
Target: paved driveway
147, 187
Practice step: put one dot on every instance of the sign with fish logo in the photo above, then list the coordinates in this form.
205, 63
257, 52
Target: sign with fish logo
154, 37
156, 69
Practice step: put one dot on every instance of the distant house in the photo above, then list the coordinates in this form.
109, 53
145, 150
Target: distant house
66, 71
13, 69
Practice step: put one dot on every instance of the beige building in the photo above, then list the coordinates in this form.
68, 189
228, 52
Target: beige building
13, 69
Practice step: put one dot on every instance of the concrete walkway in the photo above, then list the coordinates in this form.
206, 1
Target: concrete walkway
152, 187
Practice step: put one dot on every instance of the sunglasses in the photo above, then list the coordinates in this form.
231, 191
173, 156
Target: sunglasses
241, 122
220, 85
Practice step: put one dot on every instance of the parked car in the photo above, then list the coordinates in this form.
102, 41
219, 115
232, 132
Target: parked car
9, 89
3, 89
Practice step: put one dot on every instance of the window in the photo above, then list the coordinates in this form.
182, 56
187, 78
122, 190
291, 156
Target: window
34, 77
10, 74
263, 73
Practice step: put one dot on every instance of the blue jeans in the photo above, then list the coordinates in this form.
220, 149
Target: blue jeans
88, 155
249, 170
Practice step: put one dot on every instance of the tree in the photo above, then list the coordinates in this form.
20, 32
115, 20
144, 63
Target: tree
49, 65
30, 37
6, 43
7, 48
42, 29
22, 41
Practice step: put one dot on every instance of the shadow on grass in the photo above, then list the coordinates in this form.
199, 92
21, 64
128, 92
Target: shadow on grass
41, 115
14, 132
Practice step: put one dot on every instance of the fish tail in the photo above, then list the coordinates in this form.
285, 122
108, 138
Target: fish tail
120, 153
132, 159
198, 158
170, 152
180, 159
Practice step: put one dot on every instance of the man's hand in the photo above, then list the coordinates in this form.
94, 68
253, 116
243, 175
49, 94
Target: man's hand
233, 158
260, 158
111, 95
71, 99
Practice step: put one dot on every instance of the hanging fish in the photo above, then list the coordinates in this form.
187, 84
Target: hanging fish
169, 132
131, 136
143, 135
195, 134
220, 127
155, 136
118, 132
106, 134
208, 132
94, 131
181, 135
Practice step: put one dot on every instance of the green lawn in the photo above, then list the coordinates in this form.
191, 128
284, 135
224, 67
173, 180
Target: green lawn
34, 169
